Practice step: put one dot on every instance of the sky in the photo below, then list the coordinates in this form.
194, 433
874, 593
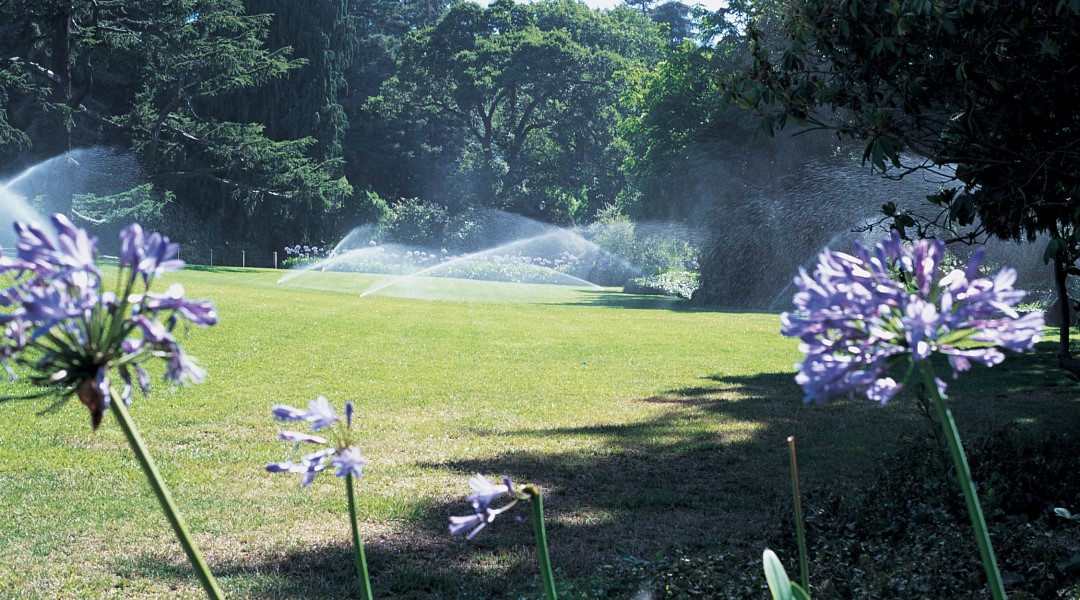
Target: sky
708, 4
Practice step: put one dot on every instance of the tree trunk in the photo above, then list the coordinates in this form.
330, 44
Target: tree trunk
59, 124
1065, 357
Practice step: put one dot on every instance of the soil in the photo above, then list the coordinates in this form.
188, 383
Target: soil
907, 533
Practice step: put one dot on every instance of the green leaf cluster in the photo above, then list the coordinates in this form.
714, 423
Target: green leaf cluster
531, 89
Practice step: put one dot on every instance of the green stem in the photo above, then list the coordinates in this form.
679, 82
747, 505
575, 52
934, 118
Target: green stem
206, 578
537, 502
963, 475
358, 544
804, 570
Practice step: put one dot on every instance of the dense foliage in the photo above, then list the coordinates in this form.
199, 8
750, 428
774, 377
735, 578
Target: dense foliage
983, 93
144, 76
263, 124
270, 122
519, 103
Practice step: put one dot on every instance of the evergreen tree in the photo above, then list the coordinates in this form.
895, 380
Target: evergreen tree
642, 6
379, 153
678, 17
139, 74
304, 104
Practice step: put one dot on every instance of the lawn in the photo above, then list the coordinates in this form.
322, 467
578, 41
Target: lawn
649, 426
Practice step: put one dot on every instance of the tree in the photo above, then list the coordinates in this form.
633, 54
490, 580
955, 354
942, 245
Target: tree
985, 91
676, 116
303, 104
532, 87
384, 153
15, 86
642, 6
141, 75
678, 17
671, 107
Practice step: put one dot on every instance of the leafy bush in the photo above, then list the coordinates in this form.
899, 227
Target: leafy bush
668, 263
671, 283
416, 222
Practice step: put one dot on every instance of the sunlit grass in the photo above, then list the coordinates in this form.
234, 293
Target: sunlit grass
648, 426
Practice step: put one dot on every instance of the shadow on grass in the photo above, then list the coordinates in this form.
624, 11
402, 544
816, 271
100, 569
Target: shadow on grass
705, 470
321, 572
427, 564
610, 299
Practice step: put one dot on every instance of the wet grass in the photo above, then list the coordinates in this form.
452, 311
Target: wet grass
649, 427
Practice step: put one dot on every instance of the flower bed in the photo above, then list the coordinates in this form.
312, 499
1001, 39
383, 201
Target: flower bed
567, 268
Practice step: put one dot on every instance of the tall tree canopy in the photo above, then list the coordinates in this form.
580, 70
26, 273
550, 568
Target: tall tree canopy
987, 89
303, 105
534, 87
384, 154
143, 75
678, 17
677, 113
673, 105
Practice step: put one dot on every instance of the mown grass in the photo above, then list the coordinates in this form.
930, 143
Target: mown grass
648, 425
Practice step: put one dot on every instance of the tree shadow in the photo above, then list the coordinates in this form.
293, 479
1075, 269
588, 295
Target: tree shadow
707, 472
425, 563
711, 471
610, 299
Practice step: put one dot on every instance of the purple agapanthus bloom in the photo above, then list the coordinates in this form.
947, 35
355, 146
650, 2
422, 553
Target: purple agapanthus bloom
71, 335
341, 451
859, 314
147, 256
321, 414
349, 462
486, 491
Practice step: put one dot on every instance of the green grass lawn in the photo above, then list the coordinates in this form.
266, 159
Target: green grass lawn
648, 426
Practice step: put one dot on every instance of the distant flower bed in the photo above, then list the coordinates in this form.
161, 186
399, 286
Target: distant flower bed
299, 256
672, 283
566, 268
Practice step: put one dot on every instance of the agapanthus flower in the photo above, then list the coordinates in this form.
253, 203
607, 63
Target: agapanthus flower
72, 335
859, 315
486, 491
340, 452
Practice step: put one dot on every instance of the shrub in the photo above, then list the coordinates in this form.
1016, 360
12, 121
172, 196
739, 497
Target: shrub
416, 222
671, 283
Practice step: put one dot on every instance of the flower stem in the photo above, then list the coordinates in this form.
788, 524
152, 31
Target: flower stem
804, 570
206, 578
540, 533
358, 544
963, 476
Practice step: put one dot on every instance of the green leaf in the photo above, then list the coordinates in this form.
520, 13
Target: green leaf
767, 126
1054, 247
1065, 514
961, 72
1050, 46
779, 584
798, 593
